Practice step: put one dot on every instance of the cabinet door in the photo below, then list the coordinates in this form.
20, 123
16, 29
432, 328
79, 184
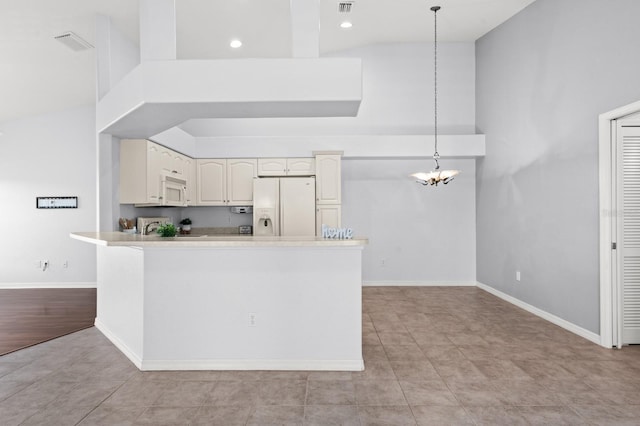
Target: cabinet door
328, 179
327, 214
211, 182
179, 165
153, 172
272, 166
240, 174
190, 172
301, 166
166, 160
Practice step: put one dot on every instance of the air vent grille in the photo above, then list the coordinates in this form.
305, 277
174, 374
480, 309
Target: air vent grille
73, 41
345, 6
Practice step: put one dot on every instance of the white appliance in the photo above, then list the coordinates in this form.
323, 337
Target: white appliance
173, 190
284, 206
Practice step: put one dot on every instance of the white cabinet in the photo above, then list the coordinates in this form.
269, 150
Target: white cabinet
240, 174
225, 182
190, 173
301, 166
211, 182
173, 163
272, 166
143, 164
328, 191
328, 176
328, 214
139, 172
286, 167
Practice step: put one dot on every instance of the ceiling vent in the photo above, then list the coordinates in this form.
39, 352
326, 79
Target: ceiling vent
73, 41
345, 6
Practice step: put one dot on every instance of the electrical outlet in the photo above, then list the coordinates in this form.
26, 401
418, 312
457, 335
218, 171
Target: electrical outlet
37, 264
252, 319
517, 275
65, 264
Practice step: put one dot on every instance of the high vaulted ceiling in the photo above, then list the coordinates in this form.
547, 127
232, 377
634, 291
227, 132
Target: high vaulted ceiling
38, 74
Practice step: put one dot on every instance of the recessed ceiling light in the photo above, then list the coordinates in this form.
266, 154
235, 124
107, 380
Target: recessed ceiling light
235, 43
346, 24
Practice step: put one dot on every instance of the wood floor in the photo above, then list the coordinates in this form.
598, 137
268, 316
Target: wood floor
31, 316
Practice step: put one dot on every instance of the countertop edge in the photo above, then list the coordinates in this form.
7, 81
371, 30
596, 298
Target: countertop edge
120, 239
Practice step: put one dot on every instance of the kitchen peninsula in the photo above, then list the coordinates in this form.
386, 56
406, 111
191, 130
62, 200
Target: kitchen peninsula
231, 302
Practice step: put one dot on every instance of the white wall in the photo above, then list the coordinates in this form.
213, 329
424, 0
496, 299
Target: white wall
543, 77
47, 155
417, 234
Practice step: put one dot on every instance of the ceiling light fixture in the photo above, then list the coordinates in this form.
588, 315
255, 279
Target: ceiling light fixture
435, 176
346, 24
235, 43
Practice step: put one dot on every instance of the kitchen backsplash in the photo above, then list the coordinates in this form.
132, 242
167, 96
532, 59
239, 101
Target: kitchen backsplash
202, 217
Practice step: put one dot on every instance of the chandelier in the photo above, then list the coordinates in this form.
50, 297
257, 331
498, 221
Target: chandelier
435, 176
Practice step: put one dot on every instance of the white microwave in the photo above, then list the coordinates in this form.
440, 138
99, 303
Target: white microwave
173, 191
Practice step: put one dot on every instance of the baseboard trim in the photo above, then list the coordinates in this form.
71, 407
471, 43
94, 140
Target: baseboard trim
419, 283
255, 364
136, 360
569, 326
19, 286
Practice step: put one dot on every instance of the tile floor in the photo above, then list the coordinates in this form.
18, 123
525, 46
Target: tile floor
433, 356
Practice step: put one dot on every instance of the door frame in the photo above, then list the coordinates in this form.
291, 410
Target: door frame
606, 133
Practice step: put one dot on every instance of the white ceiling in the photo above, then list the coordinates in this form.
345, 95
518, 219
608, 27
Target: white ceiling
38, 74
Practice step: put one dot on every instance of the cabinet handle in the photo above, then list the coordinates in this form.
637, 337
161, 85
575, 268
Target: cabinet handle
174, 171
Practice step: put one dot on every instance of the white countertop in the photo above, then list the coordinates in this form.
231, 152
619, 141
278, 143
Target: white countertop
122, 239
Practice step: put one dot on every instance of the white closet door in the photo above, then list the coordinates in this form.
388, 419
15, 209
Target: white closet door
628, 138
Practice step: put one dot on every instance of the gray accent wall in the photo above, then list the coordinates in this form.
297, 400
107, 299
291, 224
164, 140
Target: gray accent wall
542, 79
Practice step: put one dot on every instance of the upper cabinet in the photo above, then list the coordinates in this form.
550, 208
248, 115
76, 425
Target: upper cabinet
145, 172
286, 167
328, 178
211, 182
173, 163
272, 166
240, 174
225, 182
301, 166
191, 174
139, 172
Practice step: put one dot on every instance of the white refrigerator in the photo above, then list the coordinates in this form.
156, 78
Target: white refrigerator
284, 206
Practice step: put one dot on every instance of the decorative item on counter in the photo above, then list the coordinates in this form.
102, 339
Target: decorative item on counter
167, 230
127, 225
186, 226
337, 233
